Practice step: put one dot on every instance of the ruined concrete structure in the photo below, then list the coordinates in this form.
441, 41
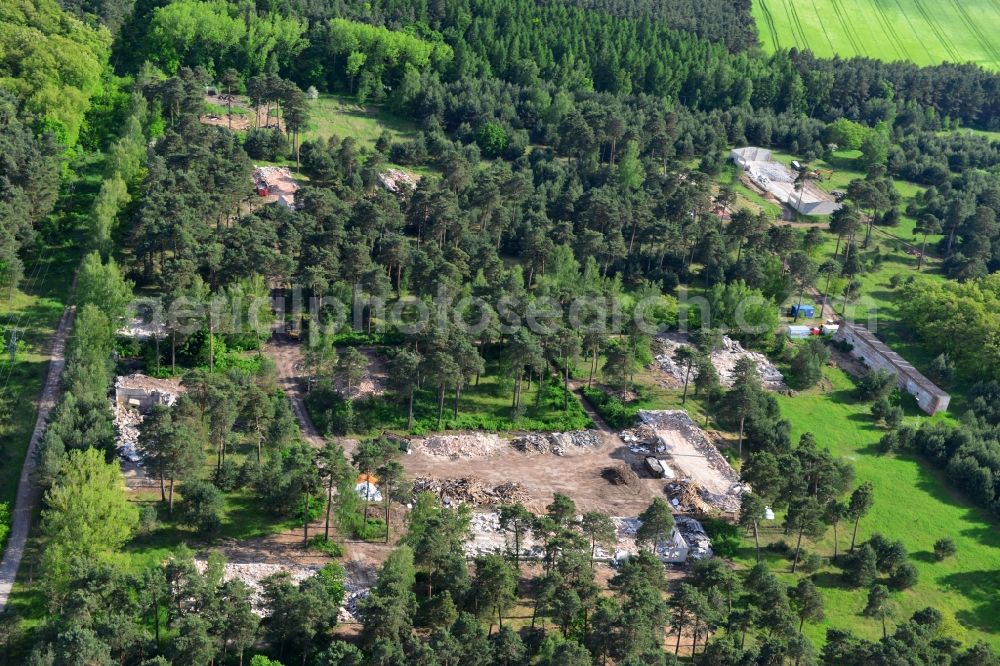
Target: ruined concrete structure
141, 392
877, 355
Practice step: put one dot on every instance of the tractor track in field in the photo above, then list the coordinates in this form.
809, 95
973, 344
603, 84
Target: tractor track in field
769, 19
916, 36
822, 24
985, 43
797, 23
848, 28
942, 38
890, 32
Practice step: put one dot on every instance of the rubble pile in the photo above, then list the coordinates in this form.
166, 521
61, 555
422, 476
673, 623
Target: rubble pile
472, 445
252, 574
685, 496
397, 181
620, 475
487, 537
127, 423
354, 593
469, 490
687, 493
642, 439
724, 359
699, 544
558, 443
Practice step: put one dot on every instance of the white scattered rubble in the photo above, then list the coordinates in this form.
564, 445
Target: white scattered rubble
397, 181
253, 573
127, 421
470, 445
138, 328
688, 540
724, 359
135, 395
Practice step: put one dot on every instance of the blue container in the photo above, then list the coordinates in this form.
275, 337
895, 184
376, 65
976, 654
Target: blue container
802, 310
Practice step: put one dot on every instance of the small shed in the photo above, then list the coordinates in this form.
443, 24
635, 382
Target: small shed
802, 310
799, 332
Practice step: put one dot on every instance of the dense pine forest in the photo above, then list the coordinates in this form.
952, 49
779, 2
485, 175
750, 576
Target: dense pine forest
566, 202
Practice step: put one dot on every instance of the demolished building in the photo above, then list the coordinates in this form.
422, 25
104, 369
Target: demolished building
876, 354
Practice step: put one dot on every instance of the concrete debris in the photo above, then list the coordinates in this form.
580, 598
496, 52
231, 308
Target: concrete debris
127, 422
558, 443
369, 491
724, 359
471, 445
469, 490
252, 574
397, 181
699, 544
351, 610
688, 540
706, 481
486, 537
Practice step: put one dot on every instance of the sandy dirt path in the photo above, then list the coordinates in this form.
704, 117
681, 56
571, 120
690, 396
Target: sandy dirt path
28, 492
287, 357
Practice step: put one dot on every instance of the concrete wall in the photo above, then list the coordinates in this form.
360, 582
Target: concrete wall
676, 551
141, 399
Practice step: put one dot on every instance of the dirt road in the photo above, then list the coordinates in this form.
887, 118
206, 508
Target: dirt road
28, 493
287, 357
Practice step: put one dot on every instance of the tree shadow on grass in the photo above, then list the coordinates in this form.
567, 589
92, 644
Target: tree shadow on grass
925, 556
831, 580
933, 482
979, 587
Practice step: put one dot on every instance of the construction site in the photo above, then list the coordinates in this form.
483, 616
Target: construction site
600, 469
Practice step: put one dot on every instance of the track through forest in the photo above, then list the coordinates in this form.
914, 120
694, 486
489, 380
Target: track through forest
28, 492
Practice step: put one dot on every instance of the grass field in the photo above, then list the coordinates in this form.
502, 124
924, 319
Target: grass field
920, 31
341, 116
913, 503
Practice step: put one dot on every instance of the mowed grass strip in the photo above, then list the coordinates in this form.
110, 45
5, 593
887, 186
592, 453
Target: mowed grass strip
913, 502
927, 33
